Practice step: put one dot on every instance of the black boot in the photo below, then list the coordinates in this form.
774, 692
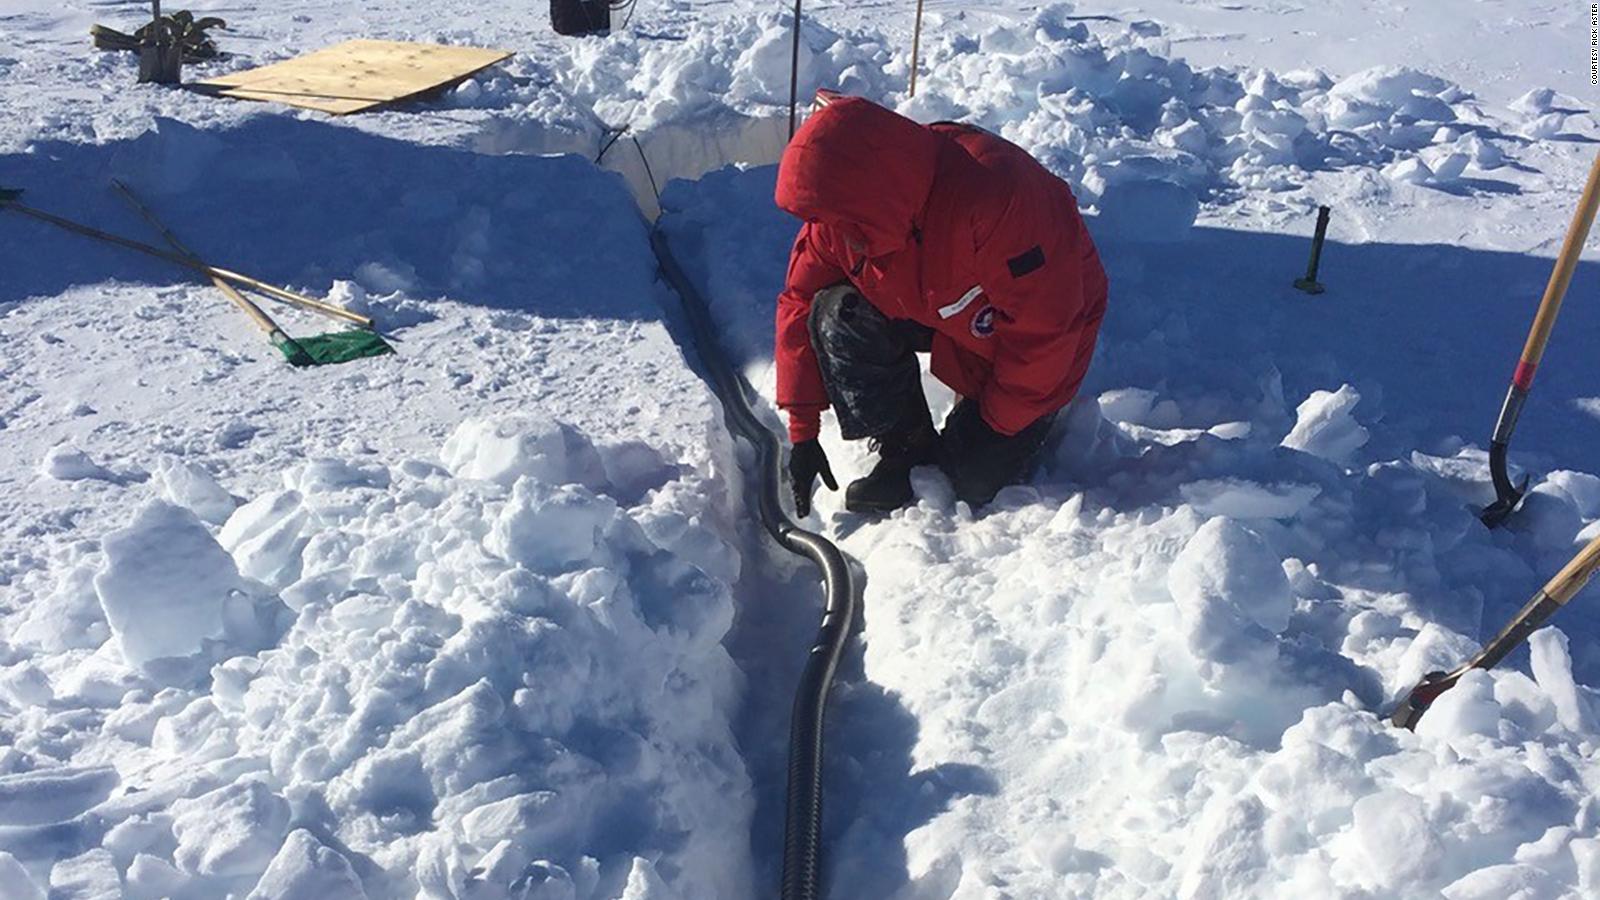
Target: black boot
888, 486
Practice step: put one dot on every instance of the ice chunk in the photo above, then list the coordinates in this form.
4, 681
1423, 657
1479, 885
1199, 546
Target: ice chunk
91, 876
505, 449
762, 71
1583, 488
1240, 499
1398, 844
136, 835
1541, 100
1503, 881
265, 538
1469, 708
164, 583
68, 463
645, 884
1552, 668
1483, 154
328, 474
1390, 85
1586, 853
14, 881
1546, 126
305, 867
1231, 591
69, 617
1129, 405
231, 832
1325, 426
549, 529
1446, 163
1189, 135
1284, 122
192, 487
1408, 170
1225, 856
536, 818
152, 878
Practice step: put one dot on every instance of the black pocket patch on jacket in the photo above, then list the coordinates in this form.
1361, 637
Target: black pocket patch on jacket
1030, 261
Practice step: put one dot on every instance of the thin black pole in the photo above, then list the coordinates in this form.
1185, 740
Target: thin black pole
1310, 284
794, 67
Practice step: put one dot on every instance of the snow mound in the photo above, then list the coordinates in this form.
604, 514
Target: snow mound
305, 867
68, 463
1138, 132
1230, 590
191, 486
166, 585
480, 687
505, 449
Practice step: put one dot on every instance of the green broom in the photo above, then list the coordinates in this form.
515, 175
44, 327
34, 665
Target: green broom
324, 349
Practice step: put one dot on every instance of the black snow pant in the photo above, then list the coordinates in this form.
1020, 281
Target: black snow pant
870, 371
869, 363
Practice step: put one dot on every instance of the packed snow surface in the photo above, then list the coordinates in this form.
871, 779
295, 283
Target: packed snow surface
490, 618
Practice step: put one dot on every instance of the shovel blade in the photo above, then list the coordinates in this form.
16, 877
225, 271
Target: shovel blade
1410, 710
1495, 514
333, 348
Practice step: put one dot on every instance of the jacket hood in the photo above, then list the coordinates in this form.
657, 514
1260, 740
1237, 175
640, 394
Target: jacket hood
861, 169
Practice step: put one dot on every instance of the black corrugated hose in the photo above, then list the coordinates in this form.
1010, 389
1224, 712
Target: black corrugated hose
802, 833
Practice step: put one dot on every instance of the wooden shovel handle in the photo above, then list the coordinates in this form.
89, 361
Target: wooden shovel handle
1575, 574
188, 263
1561, 276
255, 313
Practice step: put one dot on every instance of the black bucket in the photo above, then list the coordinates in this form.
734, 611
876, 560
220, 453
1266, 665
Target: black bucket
580, 17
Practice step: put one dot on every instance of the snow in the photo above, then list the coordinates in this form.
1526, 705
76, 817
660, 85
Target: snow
1325, 425
194, 488
305, 867
164, 585
490, 617
67, 463
1232, 596
15, 882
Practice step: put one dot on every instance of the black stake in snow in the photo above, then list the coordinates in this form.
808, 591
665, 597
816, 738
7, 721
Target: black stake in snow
1508, 495
1309, 284
794, 68
1536, 612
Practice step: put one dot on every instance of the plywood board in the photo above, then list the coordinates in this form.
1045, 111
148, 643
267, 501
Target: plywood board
356, 75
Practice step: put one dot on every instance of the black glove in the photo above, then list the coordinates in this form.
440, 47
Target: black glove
979, 460
806, 462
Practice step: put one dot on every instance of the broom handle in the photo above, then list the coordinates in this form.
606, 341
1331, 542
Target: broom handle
1560, 278
196, 265
1556, 592
1575, 574
250, 309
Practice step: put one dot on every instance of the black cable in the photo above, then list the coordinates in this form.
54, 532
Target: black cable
651, 175
616, 135
629, 5
794, 67
802, 833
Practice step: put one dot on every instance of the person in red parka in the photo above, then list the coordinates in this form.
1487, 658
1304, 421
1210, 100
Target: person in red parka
936, 238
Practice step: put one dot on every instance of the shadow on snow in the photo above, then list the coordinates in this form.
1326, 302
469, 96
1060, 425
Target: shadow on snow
303, 203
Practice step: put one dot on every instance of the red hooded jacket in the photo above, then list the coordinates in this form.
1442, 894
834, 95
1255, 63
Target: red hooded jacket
949, 226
